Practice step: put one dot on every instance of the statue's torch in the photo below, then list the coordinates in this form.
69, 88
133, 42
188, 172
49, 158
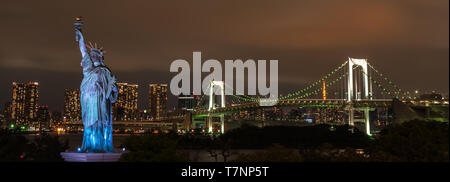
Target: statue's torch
78, 23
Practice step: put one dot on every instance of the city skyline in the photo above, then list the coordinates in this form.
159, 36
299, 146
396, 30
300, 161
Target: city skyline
410, 47
174, 101
252, 83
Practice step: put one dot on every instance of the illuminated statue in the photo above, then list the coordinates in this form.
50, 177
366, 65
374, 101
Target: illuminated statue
98, 92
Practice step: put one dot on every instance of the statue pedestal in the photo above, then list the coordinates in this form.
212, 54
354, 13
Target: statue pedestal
90, 157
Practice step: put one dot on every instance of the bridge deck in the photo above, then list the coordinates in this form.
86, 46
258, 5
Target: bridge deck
300, 103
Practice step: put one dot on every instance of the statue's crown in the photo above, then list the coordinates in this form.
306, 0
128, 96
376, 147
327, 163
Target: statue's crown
96, 49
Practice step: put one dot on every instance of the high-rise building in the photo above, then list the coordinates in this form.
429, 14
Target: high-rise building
24, 103
186, 102
43, 118
56, 119
7, 111
72, 106
157, 100
126, 106
143, 115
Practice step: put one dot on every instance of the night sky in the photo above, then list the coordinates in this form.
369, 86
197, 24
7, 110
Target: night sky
408, 40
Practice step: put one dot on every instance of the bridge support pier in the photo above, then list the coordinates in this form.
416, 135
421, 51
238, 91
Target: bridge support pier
188, 121
351, 116
210, 123
222, 123
366, 119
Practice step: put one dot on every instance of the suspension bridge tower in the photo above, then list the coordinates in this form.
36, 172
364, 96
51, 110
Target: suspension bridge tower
354, 92
212, 105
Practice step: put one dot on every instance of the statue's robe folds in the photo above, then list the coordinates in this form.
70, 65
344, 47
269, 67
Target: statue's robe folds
98, 92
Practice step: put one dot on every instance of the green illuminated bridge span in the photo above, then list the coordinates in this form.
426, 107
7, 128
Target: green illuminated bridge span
355, 85
297, 103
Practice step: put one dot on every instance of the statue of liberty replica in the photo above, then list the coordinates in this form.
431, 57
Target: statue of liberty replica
98, 92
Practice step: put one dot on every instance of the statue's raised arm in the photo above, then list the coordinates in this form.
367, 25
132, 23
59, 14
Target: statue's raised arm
81, 43
86, 61
79, 36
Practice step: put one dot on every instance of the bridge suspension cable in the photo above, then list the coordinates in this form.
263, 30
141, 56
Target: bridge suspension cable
318, 82
199, 102
397, 90
318, 90
309, 90
241, 96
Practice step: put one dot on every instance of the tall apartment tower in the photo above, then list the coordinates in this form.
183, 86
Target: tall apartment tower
43, 118
72, 106
24, 103
126, 106
157, 100
186, 102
